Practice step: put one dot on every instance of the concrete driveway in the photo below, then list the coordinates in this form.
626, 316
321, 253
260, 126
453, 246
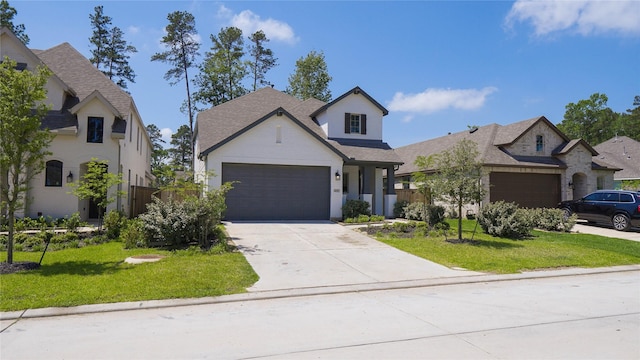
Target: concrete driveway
608, 231
289, 255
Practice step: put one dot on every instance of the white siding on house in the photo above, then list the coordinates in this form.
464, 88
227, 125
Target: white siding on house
332, 120
259, 146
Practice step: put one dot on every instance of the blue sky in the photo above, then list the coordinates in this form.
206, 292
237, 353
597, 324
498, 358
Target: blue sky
437, 66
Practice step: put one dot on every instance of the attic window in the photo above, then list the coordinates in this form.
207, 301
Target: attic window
355, 123
95, 129
539, 143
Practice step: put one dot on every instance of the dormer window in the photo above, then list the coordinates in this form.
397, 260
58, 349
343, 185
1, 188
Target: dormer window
355, 123
539, 143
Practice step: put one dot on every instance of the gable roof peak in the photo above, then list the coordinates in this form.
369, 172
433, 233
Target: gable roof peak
355, 91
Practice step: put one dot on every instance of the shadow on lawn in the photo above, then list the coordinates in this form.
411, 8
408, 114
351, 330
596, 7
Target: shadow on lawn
81, 268
486, 243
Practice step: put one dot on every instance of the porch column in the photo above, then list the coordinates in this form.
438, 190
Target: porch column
390, 198
368, 185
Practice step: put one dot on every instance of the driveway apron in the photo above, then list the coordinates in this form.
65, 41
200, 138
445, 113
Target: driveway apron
290, 255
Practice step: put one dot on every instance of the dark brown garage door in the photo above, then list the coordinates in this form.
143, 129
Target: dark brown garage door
272, 192
527, 190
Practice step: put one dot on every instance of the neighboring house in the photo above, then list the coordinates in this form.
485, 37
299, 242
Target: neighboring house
91, 117
624, 153
296, 160
530, 162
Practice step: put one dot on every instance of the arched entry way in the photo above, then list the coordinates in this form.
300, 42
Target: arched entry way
579, 184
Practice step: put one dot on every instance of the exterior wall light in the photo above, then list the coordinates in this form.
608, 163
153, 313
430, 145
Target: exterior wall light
337, 175
70, 177
571, 184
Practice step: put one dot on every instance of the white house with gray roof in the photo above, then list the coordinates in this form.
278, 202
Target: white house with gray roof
296, 160
91, 117
530, 162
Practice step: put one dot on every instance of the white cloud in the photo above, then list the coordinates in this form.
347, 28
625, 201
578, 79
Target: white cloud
249, 23
432, 100
133, 30
166, 135
579, 16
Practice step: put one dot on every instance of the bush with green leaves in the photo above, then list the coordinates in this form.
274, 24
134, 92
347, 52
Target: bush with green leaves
506, 219
415, 211
179, 223
73, 222
113, 223
354, 208
398, 209
133, 235
430, 213
553, 219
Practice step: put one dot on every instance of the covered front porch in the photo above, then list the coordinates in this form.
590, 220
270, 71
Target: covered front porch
367, 182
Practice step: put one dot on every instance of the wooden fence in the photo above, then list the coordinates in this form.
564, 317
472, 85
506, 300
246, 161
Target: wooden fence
141, 196
410, 195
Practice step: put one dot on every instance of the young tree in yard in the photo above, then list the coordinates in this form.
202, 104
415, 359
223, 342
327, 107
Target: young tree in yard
95, 184
311, 78
455, 176
7, 13
182, 49
23, 144
262, 59
180, 152
159, 156
111, 52
223, 69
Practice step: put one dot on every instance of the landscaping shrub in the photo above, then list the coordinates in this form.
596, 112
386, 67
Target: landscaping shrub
73, 222
133, 235
355, 208
503, 219
179, 223
415, 211
431, 214
398, 209
553, 219
114, 222
364, 219
435, 215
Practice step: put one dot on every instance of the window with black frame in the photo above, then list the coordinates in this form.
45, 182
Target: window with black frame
95, 128
53, 173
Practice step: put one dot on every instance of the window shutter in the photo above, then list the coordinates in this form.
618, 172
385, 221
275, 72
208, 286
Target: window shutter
363, 124
347, 123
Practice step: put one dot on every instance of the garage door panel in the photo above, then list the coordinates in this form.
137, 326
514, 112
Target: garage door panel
272, 192
527, 190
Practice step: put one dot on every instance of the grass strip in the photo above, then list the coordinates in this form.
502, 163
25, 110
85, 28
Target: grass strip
544, 250
98, 274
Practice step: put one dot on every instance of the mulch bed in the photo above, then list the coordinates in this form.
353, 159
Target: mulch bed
6, 268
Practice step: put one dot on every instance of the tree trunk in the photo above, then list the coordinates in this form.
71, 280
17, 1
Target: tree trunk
12, 219
460, 219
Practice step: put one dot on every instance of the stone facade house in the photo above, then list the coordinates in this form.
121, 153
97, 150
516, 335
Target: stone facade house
91, 117
296, 160
530, 162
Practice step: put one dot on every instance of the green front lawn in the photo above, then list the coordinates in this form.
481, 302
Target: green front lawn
546, 250
98, 274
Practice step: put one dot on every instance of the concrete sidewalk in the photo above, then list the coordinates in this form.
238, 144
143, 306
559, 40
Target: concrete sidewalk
530, 316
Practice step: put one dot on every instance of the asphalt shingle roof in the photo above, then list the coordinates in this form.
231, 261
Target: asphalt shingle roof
490, 140
622, 152
221, 123
78, 73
